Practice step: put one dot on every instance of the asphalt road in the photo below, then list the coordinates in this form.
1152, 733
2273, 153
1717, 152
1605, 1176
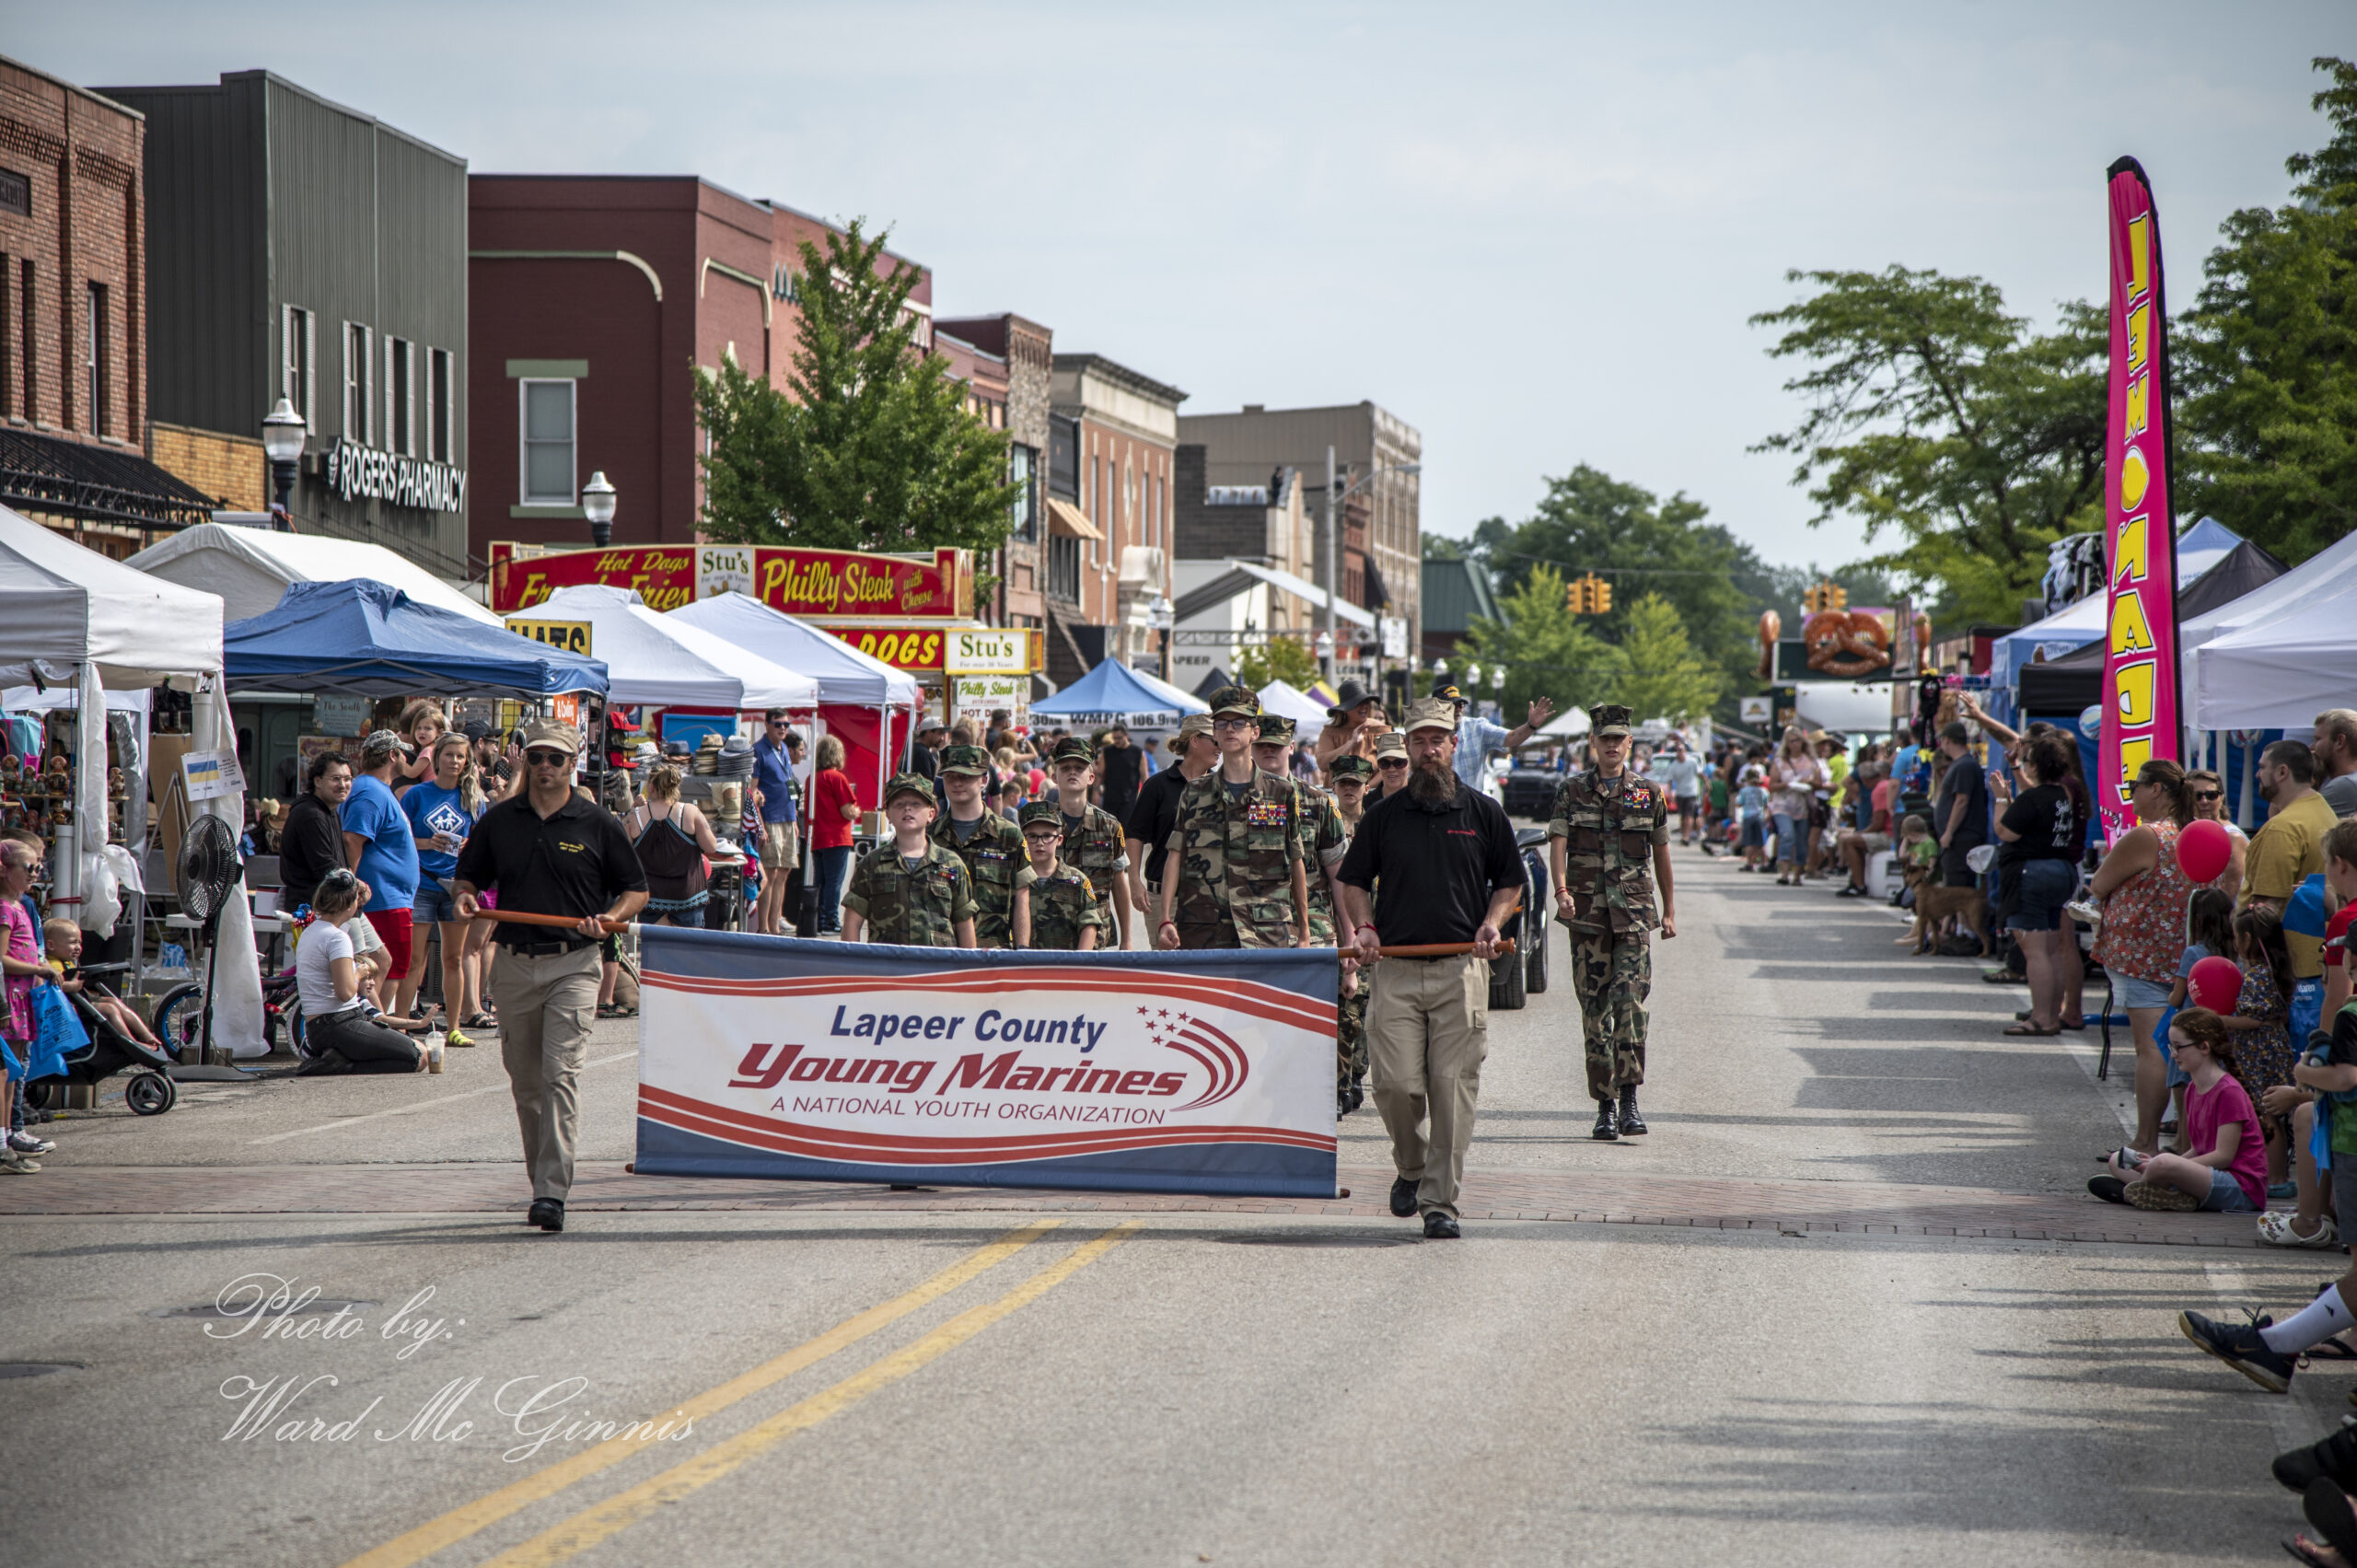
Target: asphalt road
885, 1387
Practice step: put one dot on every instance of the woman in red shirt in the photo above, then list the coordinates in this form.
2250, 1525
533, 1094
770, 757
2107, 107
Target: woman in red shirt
834, 806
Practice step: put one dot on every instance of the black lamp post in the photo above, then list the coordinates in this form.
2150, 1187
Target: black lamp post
282, 441
598, 506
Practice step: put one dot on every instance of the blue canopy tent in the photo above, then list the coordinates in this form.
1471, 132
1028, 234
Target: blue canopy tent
1114, 693
370, 640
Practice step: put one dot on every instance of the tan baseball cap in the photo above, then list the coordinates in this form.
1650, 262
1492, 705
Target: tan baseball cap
1194, 724
1392, 743
552, 734
1431, 712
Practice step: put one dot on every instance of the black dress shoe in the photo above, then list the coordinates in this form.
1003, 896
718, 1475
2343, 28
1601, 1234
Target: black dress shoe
1632, 1125
1440, 1227
1607, 1123
1403, 1198
547, 1212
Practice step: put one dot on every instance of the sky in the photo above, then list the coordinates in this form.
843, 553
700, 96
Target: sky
1536, 233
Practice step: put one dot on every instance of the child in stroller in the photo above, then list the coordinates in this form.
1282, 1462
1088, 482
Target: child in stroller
118, 1040
63, 940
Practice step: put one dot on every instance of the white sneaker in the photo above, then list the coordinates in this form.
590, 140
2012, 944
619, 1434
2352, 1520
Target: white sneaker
26, 1144
16, 1164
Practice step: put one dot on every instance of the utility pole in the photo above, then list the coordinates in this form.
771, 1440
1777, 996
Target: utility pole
1328, 624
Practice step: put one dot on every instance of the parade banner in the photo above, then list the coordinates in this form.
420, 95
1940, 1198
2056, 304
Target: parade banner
2140, 716
799, 582
1200, 1072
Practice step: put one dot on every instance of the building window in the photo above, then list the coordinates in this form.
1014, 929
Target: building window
1063, 568
548, 443
295, 376
1023, 471
399, 425
30, 381
94, 357
15, 192
1097, 492
437, 404
356, 340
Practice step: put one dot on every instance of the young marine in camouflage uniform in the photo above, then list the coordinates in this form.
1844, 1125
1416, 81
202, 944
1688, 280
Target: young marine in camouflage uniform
1349, 773
1236, 874
990, 847
911, 890
1608, 843
1322, 839
1056, 909
1092, 843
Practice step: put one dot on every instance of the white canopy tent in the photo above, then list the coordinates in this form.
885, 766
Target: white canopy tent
665, 662
2271, 650
844, 673
1287, 700
1569, 724
250, 568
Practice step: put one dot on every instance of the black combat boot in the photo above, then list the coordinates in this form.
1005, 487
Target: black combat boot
1608, 1125
1632, 1125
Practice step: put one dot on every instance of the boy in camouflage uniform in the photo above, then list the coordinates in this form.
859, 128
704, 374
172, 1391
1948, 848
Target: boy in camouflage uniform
1235, 878
990, 847
1608, 843
1055, 909
1322, 839
911, 892
1349, 773
1092, 843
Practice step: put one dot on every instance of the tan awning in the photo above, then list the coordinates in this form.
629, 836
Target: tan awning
1069, 520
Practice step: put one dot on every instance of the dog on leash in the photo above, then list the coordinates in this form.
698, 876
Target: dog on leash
1937, 905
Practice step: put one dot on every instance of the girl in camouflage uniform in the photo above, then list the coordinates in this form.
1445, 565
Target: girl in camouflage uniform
1055, 908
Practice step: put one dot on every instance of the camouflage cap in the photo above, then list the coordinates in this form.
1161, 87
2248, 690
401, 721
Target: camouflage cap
1234, 700
965, 759
1350, 765
1194, 725
1431, 712
1391, 743
909, 784
1072, 749
1036, 812
1609, 718
1275, 730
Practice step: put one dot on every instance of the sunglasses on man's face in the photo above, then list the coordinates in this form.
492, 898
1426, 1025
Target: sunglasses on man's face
541, 758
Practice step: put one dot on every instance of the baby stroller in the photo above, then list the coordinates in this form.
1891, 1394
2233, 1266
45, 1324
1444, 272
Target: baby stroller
150, 1091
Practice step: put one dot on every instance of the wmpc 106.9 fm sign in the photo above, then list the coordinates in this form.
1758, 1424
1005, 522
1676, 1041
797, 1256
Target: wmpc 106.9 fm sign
1196, 1072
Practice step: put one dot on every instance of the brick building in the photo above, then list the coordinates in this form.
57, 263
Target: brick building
74, 416
595, 299
1025, 352
1108, 546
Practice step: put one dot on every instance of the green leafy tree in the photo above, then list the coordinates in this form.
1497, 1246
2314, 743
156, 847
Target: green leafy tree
872, 445
1665, 678
1936, 417
1546, 650
2267, 425
1643, 544
1279, 658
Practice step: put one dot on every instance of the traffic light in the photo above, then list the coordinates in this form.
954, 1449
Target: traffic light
1576, 597
1825, 596
1590, 595
1602, 596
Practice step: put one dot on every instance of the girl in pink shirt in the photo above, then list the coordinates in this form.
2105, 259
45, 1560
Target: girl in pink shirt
2227, 1171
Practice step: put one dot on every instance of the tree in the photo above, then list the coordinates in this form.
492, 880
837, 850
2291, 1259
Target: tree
2267, 427
1936, 416
1666, 677
872, 445
1279, 658
1546, 650
1588, 521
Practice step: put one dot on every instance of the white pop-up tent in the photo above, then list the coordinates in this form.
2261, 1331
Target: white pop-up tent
665, 662
845, 676
1287, 700
2274, 649
250, 568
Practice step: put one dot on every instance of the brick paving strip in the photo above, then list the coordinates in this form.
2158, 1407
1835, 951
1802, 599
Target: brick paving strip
1706, 1203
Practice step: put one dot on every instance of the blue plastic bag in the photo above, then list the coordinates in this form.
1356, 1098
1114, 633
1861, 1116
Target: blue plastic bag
55, 1031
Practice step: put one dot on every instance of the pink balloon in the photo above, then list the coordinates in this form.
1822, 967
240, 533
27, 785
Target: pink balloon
2204, 849
2216, 983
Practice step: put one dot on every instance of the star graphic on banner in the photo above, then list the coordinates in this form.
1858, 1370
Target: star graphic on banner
1165, 1012
1141, 1012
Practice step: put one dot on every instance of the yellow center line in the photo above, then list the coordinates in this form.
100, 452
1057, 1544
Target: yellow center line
460, 1523
624, 1509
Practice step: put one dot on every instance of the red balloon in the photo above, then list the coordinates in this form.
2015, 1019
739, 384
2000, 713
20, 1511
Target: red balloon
2204, 849
2216, 983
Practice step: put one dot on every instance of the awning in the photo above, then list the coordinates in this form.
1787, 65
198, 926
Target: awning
94, 485
1374, 592
1069, 520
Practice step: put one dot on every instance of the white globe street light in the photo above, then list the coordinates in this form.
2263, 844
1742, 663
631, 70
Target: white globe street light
598, 506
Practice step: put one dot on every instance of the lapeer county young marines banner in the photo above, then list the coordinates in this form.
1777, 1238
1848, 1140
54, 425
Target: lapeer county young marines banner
1194, 1072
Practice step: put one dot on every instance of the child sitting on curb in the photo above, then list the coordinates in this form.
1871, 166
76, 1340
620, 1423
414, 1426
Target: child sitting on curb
2227, 1172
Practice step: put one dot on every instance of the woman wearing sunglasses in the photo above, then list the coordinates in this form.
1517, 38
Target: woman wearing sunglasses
2209, 795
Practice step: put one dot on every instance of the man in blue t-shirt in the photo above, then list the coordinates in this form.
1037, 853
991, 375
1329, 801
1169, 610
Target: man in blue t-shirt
379, 844
774, 757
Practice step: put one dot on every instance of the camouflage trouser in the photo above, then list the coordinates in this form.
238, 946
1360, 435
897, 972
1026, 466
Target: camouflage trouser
1612, 975
1350, 1040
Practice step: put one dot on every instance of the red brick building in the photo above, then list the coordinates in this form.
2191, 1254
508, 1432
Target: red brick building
592, 299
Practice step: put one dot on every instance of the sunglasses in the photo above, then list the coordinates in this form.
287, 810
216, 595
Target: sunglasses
539, 757
1393, 762
2208, 794
1236, 724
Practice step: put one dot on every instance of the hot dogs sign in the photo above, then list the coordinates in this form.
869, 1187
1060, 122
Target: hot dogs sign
799, 582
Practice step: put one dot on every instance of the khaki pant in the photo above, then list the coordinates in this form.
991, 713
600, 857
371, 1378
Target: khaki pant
1427, 1031
546, 1003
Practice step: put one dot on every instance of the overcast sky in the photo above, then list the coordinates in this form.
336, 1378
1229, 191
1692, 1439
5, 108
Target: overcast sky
1533, 232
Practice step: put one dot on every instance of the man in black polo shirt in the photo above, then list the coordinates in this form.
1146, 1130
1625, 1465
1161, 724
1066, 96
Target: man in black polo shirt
549, 851
1147, 827
1444, 856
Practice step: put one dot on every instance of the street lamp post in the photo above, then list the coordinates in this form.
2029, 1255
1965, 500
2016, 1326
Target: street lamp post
281, 442
598, 506
1332, 554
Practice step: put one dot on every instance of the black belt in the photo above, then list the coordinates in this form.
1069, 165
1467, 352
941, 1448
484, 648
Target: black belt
543, 950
